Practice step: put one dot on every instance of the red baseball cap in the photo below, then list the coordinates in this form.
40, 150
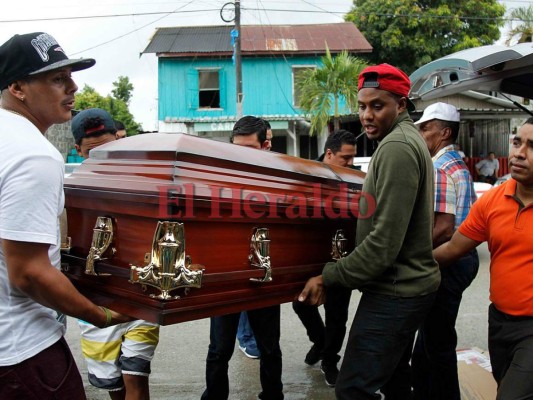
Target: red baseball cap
389, 78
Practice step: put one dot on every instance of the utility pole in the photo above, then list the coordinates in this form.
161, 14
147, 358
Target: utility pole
238, 65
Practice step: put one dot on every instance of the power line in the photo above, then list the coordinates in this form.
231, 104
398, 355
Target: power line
289, 103
166, 13
392, 15
317, 7
135, 30
319, 11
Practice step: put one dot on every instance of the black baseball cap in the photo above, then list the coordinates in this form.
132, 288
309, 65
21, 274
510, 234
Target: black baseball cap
33, 53
92, 122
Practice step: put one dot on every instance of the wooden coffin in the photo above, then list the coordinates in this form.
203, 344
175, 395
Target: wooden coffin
222, 194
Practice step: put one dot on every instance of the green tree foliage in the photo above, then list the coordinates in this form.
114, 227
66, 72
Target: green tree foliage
322, 88
521, 25
118, 108
122, 89
409, 34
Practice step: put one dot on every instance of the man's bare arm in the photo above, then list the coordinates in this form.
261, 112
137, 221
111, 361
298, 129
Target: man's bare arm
454, 249
443, 228
30, 271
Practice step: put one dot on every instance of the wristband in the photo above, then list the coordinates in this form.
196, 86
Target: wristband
108, 316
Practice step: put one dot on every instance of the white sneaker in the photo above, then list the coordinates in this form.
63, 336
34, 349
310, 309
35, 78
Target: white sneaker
248, 354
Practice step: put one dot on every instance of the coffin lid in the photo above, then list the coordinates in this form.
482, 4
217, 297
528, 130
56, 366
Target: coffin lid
149, 160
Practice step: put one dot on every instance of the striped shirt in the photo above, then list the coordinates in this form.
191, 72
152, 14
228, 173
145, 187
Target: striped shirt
454, 188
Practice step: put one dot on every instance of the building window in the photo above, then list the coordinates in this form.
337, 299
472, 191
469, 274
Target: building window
209, 88
297, 75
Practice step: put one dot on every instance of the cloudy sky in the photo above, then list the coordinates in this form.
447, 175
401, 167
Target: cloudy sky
115, 32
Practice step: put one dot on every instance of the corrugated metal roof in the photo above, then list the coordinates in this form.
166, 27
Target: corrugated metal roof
304, 38
196, 39
259, 39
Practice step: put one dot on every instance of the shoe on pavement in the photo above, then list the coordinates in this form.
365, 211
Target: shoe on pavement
313, 355
250, 351
330, 372
278, 396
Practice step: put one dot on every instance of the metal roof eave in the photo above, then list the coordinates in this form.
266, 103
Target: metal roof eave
254, 53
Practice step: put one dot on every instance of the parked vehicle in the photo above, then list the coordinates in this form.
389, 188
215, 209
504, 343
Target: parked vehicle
494, 68
70, 167
361, 163
481, 187
502, 179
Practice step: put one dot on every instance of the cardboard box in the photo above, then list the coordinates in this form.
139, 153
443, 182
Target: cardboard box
475, 375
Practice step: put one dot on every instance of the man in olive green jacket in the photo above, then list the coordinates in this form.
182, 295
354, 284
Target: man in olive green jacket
392, 265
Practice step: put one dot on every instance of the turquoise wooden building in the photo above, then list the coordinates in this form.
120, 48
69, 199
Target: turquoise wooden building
196, 77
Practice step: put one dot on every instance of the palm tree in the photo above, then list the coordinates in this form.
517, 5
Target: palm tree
523, 31
322, 88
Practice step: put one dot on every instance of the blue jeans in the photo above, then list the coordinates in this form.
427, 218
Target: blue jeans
434, 360
382, 331
265, 323
245, 334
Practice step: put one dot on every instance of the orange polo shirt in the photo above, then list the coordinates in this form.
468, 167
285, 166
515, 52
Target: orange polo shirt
500, 219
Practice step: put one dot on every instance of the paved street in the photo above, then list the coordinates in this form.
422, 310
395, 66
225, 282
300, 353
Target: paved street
179, 364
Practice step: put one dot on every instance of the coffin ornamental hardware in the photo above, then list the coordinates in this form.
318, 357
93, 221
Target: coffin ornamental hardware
338, 245
66, 245
167, 267
260, 253
102, 239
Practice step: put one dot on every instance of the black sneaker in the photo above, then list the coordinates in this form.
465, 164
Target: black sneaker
313, 355
330, 372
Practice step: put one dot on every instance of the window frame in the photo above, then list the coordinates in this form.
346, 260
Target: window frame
218, 70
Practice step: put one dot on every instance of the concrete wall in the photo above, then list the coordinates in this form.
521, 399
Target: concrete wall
61, 137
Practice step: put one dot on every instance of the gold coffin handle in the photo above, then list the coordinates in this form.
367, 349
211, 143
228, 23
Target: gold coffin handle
168, 267
338, 245
66, 240
260, 253
102, 239
66, 245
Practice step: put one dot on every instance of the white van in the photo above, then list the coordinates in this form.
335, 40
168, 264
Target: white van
361, 163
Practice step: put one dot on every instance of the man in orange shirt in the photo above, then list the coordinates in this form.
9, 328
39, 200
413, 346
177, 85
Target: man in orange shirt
504, 218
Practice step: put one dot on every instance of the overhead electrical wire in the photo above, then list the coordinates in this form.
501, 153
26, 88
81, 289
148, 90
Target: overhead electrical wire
319, 11
132, 31
181, 10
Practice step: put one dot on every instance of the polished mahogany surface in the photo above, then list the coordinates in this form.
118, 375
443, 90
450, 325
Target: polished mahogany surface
220, 192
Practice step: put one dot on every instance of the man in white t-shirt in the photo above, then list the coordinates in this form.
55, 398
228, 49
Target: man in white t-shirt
487, 169
37, 91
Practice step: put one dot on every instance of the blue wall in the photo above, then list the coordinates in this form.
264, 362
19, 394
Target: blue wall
267, 86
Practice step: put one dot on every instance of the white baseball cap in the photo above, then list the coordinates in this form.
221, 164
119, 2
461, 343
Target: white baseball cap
442, 111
